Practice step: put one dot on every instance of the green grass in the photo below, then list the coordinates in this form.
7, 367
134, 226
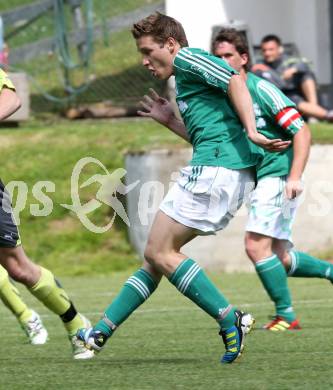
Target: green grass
170, 344
322, 133
49, 151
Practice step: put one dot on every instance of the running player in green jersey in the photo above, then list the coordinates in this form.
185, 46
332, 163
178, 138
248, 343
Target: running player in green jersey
274, 201
39, 281
209, 191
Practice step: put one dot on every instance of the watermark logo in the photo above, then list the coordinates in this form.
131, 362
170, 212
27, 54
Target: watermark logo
143, 203
110, 185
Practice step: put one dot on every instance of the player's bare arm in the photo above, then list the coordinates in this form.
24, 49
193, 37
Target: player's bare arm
289, 73
9, 103
161, 111
301, 148
242, 101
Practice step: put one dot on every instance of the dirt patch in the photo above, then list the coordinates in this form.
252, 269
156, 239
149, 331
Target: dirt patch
7, 141
67, 224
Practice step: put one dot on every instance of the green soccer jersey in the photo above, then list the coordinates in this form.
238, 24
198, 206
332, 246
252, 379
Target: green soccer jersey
5, 81
215, 131
273, 121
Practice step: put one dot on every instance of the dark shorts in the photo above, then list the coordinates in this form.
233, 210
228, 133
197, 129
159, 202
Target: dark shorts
9, 234
295, 94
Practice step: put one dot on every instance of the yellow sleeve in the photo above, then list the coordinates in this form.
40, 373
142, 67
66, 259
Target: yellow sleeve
5, 81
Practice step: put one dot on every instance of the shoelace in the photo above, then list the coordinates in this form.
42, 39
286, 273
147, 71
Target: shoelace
34, 326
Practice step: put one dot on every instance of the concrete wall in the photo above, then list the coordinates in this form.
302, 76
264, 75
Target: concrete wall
307, 23
197, 18
304, 22
312, 231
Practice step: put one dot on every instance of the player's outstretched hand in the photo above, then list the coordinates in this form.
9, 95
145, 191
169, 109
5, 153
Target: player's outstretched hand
293, 188
271, 145
156, 107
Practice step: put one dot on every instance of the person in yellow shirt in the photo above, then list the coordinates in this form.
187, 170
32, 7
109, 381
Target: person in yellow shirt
10, 296
15, 263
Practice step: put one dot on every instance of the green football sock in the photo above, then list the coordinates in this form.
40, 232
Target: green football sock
304, 265
192, 282
274, 278
135, 291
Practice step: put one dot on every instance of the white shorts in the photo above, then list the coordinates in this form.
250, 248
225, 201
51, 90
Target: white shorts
271, 213
206, 198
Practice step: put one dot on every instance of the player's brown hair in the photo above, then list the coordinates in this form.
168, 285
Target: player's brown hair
235, 38
160, 27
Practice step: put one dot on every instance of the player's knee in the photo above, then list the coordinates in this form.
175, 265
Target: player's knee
255, 249
153, 271
19, 268
251, 248
15, 270
285, 259
160, 259
152, 254
252, 252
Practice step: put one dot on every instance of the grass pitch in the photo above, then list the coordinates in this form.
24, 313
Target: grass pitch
170, 344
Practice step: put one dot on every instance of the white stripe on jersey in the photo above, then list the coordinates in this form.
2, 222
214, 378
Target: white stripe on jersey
204, 69
185, 70
224, 79
207, 68
299, 123
271, 92
208, 61
265, 87
287, 116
